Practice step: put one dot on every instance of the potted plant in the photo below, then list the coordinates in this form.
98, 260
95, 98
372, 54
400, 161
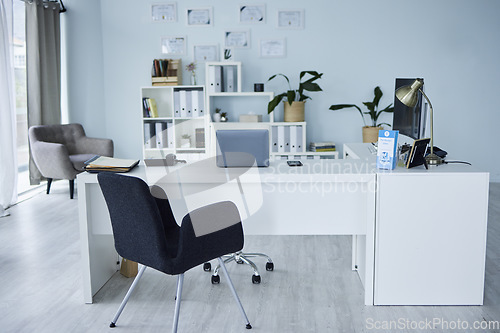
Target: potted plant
295, 99
370, 132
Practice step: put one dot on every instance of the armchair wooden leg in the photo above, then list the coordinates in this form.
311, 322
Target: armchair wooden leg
49, 182
71, 188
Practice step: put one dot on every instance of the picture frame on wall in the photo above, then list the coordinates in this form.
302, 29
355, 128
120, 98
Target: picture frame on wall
272, 48
252, 14
199, 17
164, 12
237, 39
204, 53
173, 45
290, 19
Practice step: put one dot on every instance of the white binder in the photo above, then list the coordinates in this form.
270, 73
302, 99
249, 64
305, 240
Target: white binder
281, 139
189, 104
194, 103
170, 134
214, 78
183, 103
293, 139
201, 103
177, 106
287, 138
300, 139
229, 79
274, 139
161, 134
147, 136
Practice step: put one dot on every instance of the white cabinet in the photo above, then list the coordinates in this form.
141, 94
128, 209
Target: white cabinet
174, 121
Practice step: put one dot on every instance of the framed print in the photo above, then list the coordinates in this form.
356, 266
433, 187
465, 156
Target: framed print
252, 13
291, 18
272, 48
204, 53
164, 12
199, 17
233, 39
173, 45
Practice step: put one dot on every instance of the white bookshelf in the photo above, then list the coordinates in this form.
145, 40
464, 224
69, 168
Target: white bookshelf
192, 121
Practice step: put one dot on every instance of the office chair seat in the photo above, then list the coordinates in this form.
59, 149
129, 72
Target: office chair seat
145, 231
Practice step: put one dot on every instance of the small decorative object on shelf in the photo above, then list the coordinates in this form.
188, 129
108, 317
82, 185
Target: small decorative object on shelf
370, 132
295, 99
223, 117
186, 141
192, 69
227, 54
166, 72
217, 116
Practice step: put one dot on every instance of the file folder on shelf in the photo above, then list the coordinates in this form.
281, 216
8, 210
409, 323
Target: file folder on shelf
229, 79
300, 131
281, 139
161, 134
194, 103
201, 103
147, 136
287, 138
170, 134
274, 139
293, 139
189, 104
177, 105
183, 103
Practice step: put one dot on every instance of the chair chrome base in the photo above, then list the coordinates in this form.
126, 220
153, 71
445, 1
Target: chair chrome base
241, 258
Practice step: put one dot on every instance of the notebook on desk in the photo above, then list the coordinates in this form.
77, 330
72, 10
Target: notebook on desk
103, 163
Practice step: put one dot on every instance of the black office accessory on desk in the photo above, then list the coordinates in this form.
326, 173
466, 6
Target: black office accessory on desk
294, 163
417, 153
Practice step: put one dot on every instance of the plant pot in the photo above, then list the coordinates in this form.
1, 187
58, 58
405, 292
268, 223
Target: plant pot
185, 143
370, 133
294, 112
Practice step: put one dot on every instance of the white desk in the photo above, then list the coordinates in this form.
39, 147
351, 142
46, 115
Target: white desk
333, 197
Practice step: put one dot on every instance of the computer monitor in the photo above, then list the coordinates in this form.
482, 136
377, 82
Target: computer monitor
242, 148
410, 122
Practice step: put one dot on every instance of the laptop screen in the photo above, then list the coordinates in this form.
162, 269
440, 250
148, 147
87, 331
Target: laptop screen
242, 148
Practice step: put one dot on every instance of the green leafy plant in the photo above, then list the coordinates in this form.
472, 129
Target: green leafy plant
373, 110
292, 95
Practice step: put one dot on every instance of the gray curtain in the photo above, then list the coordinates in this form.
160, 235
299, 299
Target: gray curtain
43, 68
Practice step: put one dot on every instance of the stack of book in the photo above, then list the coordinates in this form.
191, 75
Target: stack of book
322, 146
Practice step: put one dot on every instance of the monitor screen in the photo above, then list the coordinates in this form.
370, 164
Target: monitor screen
242, 148
409, 121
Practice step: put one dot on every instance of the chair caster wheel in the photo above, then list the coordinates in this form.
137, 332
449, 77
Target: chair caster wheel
215, 279
207, 267
255, 279
240, 262
269, 266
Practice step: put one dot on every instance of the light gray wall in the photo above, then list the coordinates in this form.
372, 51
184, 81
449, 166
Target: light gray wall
453, 44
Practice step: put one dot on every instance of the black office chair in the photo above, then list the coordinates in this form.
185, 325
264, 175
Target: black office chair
145, 231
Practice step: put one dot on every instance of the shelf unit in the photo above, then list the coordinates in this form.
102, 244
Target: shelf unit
230, 98
181, 112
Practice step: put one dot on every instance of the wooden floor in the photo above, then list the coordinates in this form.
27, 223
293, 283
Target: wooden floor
311, 290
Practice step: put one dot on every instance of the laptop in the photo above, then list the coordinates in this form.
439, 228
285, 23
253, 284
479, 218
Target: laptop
242, 148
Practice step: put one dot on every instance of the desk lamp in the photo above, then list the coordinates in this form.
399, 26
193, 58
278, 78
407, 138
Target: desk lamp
408, 95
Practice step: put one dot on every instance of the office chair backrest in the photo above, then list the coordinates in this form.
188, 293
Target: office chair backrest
138, 229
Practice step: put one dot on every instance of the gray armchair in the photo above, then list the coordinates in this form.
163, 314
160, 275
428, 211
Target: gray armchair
59, 151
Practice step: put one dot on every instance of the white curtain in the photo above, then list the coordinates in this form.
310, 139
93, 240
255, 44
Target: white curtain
8, 158
43, 67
